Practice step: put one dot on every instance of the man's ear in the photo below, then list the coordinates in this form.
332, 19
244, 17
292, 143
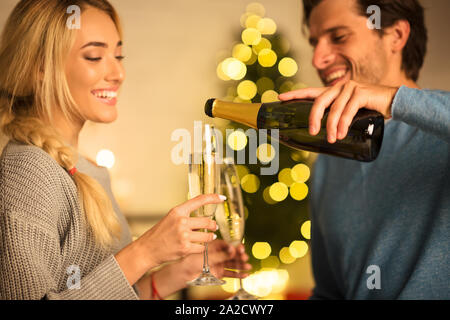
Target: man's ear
398, 35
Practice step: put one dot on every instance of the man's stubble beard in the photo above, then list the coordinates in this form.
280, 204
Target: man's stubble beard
372, 67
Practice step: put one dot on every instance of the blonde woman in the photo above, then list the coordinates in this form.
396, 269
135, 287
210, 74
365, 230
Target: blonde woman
62, 235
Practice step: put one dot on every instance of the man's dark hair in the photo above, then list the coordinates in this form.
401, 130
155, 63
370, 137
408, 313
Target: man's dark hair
391, 11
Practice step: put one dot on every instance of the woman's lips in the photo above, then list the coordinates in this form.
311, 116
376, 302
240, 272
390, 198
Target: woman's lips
106, 96
111, 102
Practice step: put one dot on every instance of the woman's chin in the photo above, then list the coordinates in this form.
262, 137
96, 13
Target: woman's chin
106, 117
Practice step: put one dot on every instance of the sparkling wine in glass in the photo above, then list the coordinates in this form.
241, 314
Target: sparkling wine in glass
204, 178
230, 216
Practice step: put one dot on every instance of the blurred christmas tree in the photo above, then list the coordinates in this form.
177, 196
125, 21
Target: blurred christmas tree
257, 69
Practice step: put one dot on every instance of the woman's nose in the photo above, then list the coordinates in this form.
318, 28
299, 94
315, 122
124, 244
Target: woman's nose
116, 71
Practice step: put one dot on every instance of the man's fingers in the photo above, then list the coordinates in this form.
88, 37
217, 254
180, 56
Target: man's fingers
306, 93
218, 257
197, 202
319, 106
336, 110
348, 114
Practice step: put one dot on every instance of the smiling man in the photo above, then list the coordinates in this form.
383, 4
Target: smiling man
380, 230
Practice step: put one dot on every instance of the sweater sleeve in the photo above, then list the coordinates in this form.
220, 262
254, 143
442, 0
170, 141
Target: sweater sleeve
428, 110
31, 263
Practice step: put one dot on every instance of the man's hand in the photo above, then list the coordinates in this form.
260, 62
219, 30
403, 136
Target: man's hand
221, 256
344, 100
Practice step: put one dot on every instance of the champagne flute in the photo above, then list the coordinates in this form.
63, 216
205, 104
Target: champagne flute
204, 178
230, 216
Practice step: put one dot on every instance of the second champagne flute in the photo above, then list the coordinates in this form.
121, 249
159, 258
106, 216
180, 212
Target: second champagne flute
230, 216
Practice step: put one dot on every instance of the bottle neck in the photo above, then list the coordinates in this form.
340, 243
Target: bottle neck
244, 113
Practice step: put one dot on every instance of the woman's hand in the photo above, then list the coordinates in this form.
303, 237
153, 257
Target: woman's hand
344, 100
172, 238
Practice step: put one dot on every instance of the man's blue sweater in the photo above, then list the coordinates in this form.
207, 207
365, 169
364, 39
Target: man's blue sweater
381, 230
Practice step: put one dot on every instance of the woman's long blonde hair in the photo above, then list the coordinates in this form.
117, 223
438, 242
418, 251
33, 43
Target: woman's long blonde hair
33, 50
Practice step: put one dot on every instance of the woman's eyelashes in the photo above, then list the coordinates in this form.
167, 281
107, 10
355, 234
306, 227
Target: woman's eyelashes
120, 58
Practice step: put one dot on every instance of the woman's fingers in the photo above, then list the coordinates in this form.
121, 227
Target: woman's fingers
198, 236
196, 248
193, 204
201, 223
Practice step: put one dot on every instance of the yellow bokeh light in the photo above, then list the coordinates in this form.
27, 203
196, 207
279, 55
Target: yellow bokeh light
278, 191
298, 191
266, 196
245, 216
267, 57
246, 90
298, 248
257, 284
264, 84
250, 183
221, 74
244, 18
266, 26
239, 100
296, 156
285, 256
231, 285
265, 153
252, 59
256, 8
261, 250
269, 96
242, 171
283, 275
234, 68
286, 86
105, 158
237, 140
270, 262
251, 36
301, 172
287, 67
285, 176
263, 44
242, 52
282, 281
305, 229
252, 21
282, 45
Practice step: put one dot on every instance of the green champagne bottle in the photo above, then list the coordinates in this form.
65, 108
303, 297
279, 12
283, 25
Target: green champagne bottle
362, 143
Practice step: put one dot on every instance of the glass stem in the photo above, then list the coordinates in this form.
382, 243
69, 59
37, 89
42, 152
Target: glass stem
205, 258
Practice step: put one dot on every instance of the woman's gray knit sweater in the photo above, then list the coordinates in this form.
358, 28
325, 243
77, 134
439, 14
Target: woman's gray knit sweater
46, 250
